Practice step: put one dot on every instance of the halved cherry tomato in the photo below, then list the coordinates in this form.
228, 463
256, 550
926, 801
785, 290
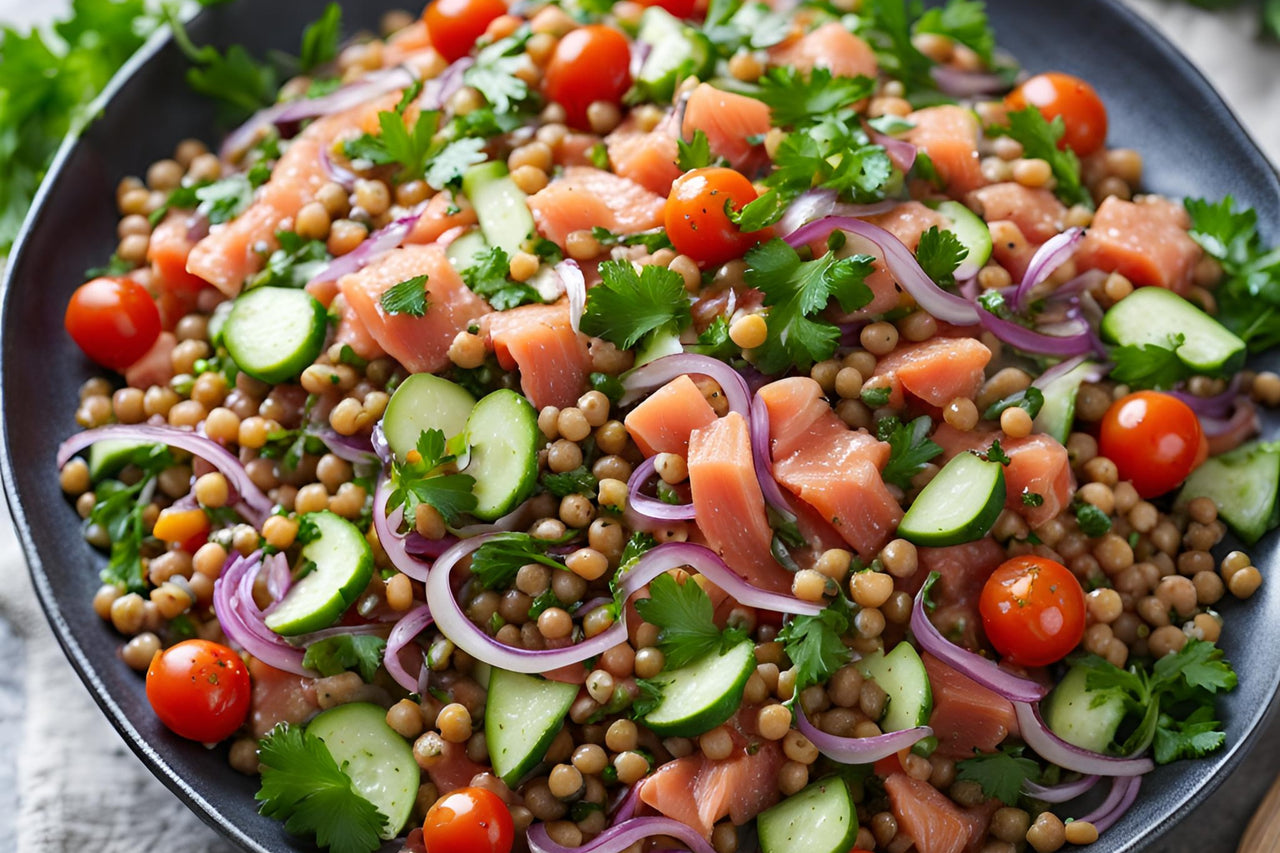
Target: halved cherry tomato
590, 64
1056, 94
200, 690
114, 320
696, 221
1032, 610
468, 820
1154, 439
679, 8
454, 25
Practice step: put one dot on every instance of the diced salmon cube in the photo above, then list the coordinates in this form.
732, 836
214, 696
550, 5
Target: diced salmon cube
1145, 242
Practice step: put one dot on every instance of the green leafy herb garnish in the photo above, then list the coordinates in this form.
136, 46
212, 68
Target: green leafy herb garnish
626, 305
1030, 399
118, 509
686, 616
910, 448
335, 655
814, 644
940, 254
1249, 294
489, 276
799, 99
426, 480
295, 263
496, 563
407, 297
1039, 139
1001, 774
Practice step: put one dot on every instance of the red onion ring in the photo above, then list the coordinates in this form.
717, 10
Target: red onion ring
621, 836
1046, 259
652, 508
383, 240
901, 152
1029, 340
339, 175
859, 750
1060, 793
242, 620
409, 627
1227, 434
437, 91
1129, 786
1068, 756
758, 428
1066, 366
575, 286
816, 203
1217, 406
387, 527
660, 371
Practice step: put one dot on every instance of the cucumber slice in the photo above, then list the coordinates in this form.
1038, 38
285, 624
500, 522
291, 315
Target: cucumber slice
218, 321
500, 206
822, 818
700, 696
677, 51
902, 675
343, 565
664, 341
505, 439
972, 233
1058, 414
379, 761
958, 505
107, 457
272, 333
462, 253
1150, 315
423, 402
524, 714
1243, 483
1087, 718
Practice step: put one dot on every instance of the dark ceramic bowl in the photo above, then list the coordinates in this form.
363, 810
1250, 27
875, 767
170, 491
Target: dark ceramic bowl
1159, 104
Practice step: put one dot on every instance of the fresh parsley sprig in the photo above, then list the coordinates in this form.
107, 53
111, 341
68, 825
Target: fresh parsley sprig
335, 655
626, 307
1001, 774
940, 254
1039, 139
407, 297
496, 563
815, 645
489, 276
118, 509
910, 448
424, 478
798, 99
687, 618
1150, 365
1249, 295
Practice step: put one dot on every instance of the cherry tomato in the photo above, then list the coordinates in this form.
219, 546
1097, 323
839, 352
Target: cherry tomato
199, 689
1154, 439
696, 220
454, 25
1032, 610
1056, 94
590, 64
468, 820
114, 320
679, 8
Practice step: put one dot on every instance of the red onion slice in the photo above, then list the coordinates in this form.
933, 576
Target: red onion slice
660, 371
1217, 406
1066, 366
986, 672
252, 504
706, 562
901, 263
383, 240
1128, 787
1060, 793
815, 204
621, 836
1228, 434
388, 527
859, 750
1068, 756
758, 427
242, 620
967, 84
1038, 343
651, 507
404, 632
356, 449
901, 153
629, 804
1046, 259
338, 174
576, 288
437, 91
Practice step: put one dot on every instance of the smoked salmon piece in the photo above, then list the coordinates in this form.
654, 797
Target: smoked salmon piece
966, 716
584, 197
1037, 212
353, 332
734, 125
167, 251
832, 468
908, 221
421, 344
930, 817
1038, 464
443, 212
551, 356
729, 504
949, 135
455, 769
700, 792
830, 46
1145, 242
663, 421
279, 697
646, 157
935, 371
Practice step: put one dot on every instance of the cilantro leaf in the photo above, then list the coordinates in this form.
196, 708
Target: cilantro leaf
424, 478
964, 21
1193, 737
579, 481
496, 562
1199, 664
814, 644
1030, 399
940, 254
875, 396
797, 99
335, 655
687, 618
118, 509
995, 453
1039, 140
1150, 365
1249, 295
494, 72
626, 306
888, 27
1093, 521
304, 787
910, 448
1032, 499
1001, 774
235, 81
225, 199
295, 263
797, 291
407, 297
448, 164
696, 153
715, 341
488, 277
320, 39
765, 209
835, 154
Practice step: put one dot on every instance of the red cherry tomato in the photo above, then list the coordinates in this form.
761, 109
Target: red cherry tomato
590, 64
199, 689
1056, 94
1154, 439
468, 820
679, 8
114, 320
1032, 610
454, 25
696, 220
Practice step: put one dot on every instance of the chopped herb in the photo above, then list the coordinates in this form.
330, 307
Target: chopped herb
610, 386
599, 156
425, 480
940, 254
910, 448
649, 698
627, 306
814, 644
995, 453
235, 81
335, 655
875, 396
496, 563
1039, 139
295, 263
695, 154
888, 28
1150, 365
1032, 499
407, 297
687, 618
115, 266
651, 240
1031, 400
798, 99
992, 301
225, 199
1001, 774
964, 21
118, 509
715, 341
1093, 521
494, 71
1249, 294
489, 276
579, 481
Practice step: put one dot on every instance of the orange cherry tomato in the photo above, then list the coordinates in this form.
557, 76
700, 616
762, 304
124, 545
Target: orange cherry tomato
1032, 610
1154, 439
200, 690
679, 8
590, 64
114, 320
1056, 94
454, 25
695, 216
468, 820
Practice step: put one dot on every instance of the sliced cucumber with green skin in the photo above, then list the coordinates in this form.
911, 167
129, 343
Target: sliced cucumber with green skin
1243, 484
500, 206
701, 695
972, 233
1086, 718
342, 566
1151, 315
1058, 414
822, 818
523, 715
661, 342
901, 675
107, 457
958, 505
462, 253
379, 761
505, 440
422, 402
677, 51
273, 333
218, 321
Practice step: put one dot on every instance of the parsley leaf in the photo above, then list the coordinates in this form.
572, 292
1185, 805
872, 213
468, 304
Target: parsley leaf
1000, 774
964, 21
304, 787
579, 481
1093, 521
1032, 499
687, 618
875, 396
626, 306
488, 277
834, 154
796, 99
995, 453
335, 655
910, 448
407, 297
118, 509
1150, 365
649, 698
1039, 140
940, 254
320, 39
814, 644
496, 562
1249, 295
494, 72
1193, 737
1031, 400
423, 479
235, 81
225, 199
694, 154
888, 28
295, 263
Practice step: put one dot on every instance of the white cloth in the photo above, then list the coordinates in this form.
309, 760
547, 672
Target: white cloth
68, 782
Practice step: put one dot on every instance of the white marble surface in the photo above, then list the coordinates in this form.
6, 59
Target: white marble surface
67, 781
